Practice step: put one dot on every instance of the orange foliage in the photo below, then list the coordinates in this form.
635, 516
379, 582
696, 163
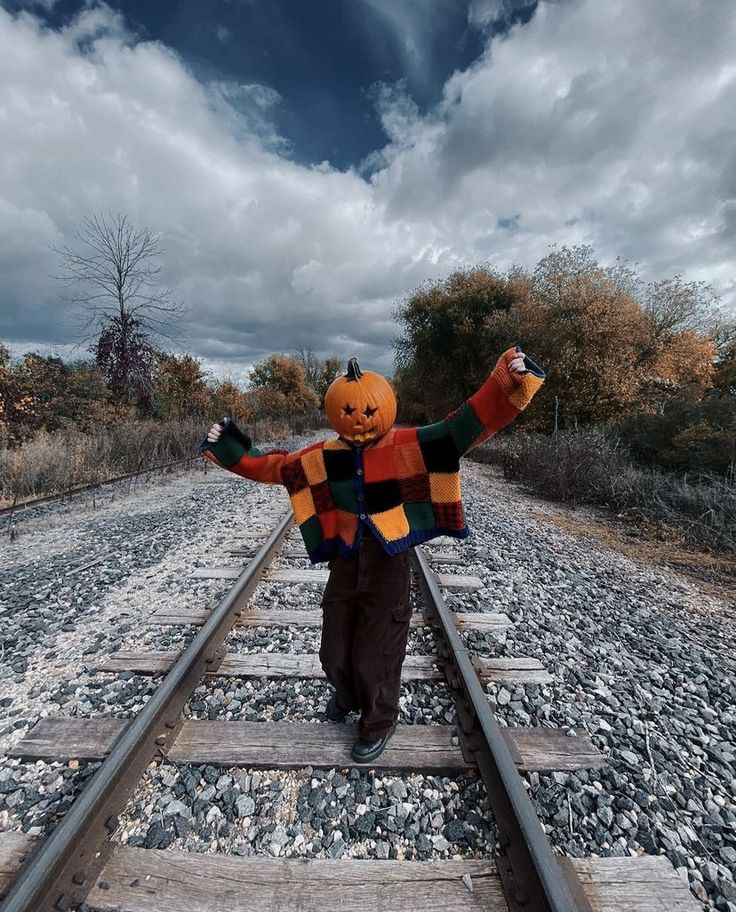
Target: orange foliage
280, 388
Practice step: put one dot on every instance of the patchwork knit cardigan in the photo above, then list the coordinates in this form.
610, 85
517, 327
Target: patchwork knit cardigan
404, 486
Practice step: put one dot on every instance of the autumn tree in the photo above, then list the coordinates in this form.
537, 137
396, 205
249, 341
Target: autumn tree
589, 334
113, 275
724, 380
67, 394
225, 398
180, 388
454, 329
318, 372
41, 392
127, 358
18, 404
280, 388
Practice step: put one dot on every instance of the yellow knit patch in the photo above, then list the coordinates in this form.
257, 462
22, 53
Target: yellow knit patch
445, 486
303, 505
525, 391
392, 524
335, 444
313, 464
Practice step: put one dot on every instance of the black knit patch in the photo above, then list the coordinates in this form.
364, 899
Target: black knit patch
415, 489
293, 477
440, 454
382, 495
449, 515
322, 497
340, 464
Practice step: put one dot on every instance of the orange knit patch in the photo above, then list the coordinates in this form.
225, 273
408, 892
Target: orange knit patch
445, 487
408, 460
329, 523
313, 463
523, 395
303, 505
266, 468
386, 440
347, 526
405, 435
492, 407
334, 444
378, 464
392, 524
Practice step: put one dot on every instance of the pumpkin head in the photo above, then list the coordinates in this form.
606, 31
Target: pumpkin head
361, 405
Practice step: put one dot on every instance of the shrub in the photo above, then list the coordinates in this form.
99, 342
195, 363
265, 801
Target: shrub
55, 461
587, 465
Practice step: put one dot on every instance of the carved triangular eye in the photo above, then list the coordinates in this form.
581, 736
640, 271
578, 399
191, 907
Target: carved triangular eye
348, 409
370, 411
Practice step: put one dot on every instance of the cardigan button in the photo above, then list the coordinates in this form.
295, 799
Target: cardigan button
360, 471
362, 515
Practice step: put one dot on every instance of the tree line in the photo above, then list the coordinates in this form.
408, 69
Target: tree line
45, 393
653, 363
113, 281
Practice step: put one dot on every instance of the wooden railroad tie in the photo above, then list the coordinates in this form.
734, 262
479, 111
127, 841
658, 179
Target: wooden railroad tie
490, 622
294, 745
145, 880
307, 665
455, 581
437, 557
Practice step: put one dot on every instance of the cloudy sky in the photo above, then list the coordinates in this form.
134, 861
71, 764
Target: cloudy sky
308, 164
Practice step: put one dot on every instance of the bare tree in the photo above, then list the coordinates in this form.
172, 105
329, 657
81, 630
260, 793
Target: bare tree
319, 372
113, 277
675, 305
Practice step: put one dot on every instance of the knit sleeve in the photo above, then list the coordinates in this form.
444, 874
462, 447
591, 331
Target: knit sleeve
502, 397
235, 452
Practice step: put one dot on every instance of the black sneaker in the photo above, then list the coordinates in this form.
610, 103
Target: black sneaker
335, 712
364, 750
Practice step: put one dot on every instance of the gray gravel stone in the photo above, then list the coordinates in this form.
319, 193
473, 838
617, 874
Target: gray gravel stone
640, 658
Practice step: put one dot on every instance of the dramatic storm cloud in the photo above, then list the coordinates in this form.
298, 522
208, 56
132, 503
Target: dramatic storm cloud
603, 123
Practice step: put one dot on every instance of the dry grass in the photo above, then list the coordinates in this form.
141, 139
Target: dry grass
52, 463
663, 547
586, 467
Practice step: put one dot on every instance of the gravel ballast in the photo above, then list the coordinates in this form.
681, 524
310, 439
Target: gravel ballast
636, 653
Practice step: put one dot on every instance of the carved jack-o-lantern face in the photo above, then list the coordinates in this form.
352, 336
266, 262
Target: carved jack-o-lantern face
360, 406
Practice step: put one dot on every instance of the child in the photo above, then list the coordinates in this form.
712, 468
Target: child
362, 500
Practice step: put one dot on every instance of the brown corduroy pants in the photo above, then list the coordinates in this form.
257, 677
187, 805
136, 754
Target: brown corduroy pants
365, 624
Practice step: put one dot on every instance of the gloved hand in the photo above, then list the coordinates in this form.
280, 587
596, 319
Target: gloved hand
527, 366
516, 366
227, 424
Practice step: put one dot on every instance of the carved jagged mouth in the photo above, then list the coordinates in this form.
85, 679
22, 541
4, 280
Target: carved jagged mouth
363, 433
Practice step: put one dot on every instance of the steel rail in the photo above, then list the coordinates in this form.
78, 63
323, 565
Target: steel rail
91, 486
65, 866
532, 876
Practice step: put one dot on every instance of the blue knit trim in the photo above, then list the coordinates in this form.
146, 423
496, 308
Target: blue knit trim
332, 547
531, 366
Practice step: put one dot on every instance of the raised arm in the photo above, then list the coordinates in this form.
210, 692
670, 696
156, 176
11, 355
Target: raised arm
504, 395
227, 446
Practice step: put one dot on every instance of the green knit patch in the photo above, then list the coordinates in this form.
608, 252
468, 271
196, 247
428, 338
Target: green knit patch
227, 450
344, 495
420, 515
465, 427
432, 431
311, 533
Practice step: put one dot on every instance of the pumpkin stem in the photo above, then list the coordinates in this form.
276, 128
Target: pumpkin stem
354, 371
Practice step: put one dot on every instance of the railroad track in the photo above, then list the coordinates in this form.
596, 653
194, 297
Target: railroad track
19, 506
80, 862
